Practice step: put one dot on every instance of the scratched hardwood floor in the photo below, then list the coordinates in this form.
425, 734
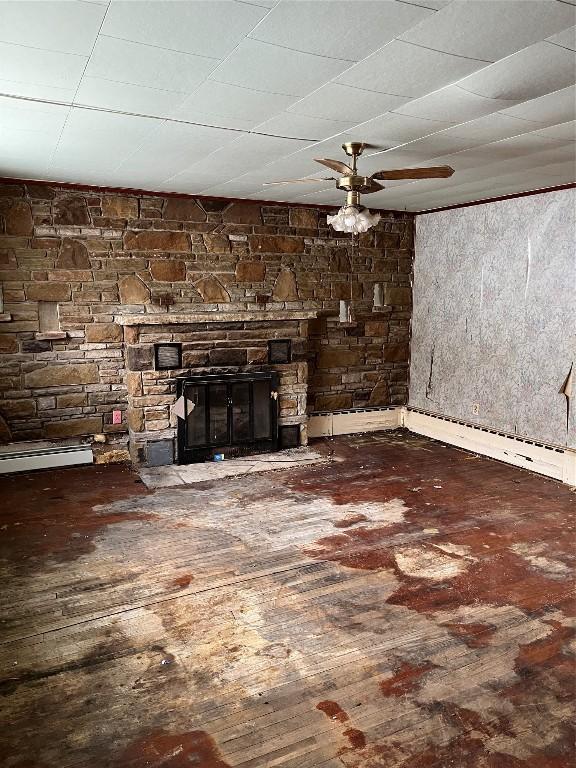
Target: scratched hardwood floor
405, 605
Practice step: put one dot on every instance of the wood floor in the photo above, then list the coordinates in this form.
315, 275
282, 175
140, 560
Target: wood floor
405, 604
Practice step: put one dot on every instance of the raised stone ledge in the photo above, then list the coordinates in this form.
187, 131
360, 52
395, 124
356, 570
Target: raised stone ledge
215, 317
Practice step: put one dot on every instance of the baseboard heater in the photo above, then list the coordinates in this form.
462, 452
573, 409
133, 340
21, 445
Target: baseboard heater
28, 459
551, 460
347, 422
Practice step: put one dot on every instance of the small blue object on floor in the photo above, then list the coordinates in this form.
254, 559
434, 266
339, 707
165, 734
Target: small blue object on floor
218, 457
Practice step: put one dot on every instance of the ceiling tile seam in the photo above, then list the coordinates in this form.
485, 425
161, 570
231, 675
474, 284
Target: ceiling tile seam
299, 50
505, 58
565, 47
27, 82
513, 102
567, 2
65, 123
437, 50
418, 5
162, 48
208, 76
247, 88
256, 5
415, 45
450, 128
161, 118
370, 90
44, 50
135, 85
525, 119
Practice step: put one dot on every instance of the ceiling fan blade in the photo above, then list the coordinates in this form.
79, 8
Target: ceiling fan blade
437, 172
336, 165
374, 187
299, 181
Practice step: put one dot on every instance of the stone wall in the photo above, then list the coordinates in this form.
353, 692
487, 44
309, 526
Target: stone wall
96, 255
224, 345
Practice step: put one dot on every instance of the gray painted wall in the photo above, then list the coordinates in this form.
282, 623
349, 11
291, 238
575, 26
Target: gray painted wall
494, 318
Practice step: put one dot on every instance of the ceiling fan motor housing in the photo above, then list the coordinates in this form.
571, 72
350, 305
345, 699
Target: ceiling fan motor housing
355, 184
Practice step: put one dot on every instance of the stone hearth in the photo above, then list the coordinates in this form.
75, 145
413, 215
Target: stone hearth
212, 342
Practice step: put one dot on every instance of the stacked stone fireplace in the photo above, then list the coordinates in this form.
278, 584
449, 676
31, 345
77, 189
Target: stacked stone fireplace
211, 343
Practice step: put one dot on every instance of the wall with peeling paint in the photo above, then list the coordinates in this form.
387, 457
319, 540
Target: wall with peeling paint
494, 320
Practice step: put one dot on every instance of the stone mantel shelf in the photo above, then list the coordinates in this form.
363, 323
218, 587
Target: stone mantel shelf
216, 317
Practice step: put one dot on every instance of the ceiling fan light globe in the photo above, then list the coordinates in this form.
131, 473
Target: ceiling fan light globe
353, 220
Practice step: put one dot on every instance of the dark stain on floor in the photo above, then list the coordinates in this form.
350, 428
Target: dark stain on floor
50, 515
140, 699
160, 749
333, 711
406, 679
475, 635
467, 510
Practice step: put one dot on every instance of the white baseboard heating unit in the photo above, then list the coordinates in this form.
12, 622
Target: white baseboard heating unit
27, 458
347, 422
551, 460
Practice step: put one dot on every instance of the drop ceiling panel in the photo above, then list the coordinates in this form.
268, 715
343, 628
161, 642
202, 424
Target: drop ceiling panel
204, 27
31, 66
438, 144
239, 157
407, 69
452, 104
556, 107
235, 189
392, 128
293, 165
230, 106
340, 30
147, 65
173, 147
35, 91
334, 101
57, 26
303, 126
566, 38
491, 30
489, 128
528, 74
91, 138
266, 67
563, 131
28, 115
95, 91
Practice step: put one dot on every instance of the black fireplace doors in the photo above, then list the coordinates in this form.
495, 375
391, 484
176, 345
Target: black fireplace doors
232, 414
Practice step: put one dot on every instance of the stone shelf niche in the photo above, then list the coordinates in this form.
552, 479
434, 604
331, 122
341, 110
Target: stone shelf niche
212, 342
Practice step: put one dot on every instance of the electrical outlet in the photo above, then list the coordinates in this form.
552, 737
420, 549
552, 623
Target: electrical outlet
476, 409
116, 417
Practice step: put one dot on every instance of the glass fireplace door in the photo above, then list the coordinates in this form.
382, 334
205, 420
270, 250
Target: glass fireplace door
232, 414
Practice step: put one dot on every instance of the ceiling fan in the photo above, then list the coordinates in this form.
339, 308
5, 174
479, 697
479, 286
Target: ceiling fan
353, 217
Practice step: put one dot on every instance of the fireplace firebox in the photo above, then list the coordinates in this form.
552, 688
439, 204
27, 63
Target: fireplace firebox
234, 414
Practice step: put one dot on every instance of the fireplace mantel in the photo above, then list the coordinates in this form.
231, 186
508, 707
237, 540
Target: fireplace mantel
215, 317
